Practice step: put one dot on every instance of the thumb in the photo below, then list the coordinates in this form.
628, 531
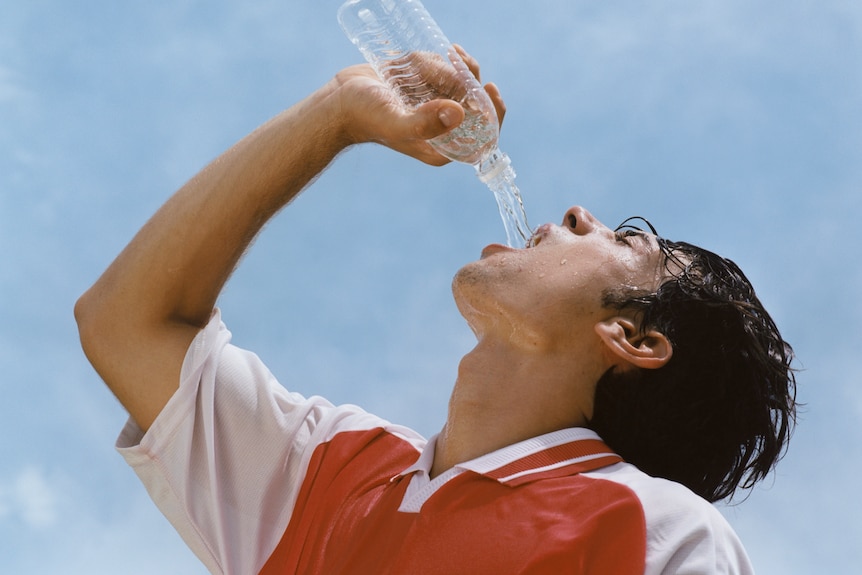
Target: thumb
437, 117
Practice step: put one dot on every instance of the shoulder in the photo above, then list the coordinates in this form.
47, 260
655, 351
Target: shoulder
685, 533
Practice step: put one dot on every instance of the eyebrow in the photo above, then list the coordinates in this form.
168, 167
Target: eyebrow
625, 225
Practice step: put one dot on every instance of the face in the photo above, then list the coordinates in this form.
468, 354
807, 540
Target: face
550, 293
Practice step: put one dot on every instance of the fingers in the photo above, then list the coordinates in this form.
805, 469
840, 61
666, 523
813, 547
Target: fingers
438, 117
497, 100
409, 131
491, 89
470, 61
373, 114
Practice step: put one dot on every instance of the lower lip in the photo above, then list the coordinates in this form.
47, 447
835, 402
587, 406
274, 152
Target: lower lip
492, 249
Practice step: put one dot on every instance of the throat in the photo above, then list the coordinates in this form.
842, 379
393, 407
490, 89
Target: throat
504, 395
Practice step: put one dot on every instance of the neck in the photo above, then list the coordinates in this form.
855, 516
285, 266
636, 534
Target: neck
504, 395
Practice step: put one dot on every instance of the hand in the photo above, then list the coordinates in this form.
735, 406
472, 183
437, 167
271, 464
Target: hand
369, 112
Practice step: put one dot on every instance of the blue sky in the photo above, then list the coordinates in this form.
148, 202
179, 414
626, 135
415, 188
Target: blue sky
733, 124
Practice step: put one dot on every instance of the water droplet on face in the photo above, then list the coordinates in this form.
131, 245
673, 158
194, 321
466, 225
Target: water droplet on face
563, 261
541, 275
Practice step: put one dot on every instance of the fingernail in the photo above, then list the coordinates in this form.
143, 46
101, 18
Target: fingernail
447, 117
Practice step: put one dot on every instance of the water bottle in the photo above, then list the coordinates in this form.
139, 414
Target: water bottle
411, 54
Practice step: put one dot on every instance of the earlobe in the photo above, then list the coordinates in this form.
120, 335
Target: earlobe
650, 350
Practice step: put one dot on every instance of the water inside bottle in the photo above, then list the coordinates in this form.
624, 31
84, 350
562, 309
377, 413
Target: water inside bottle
472, 140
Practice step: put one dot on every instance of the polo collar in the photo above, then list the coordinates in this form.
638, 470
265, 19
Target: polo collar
560, 453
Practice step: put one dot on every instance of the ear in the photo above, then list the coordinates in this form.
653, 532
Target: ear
651, 350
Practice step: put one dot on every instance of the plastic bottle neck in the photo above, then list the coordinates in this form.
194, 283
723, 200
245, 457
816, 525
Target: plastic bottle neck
492, 166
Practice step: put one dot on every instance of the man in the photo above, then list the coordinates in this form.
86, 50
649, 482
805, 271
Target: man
573, 335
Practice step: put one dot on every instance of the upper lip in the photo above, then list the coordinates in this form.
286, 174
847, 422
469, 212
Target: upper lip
539, 235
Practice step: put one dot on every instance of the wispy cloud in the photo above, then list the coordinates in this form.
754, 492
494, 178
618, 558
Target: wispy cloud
12, 88
31, 498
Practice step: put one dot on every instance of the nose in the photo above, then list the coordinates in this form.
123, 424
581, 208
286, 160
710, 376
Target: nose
581, 222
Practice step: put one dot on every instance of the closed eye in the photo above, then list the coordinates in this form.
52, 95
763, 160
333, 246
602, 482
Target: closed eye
627, 230
624, 235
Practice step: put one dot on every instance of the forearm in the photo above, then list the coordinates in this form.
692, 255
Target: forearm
176, 265
162, 288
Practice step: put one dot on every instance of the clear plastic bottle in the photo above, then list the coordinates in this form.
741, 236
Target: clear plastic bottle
412, 55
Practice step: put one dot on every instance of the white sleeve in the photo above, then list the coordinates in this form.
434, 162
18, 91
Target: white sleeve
688, 536
685, 534
226, 457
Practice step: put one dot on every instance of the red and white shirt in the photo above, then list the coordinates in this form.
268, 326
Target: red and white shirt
260, 480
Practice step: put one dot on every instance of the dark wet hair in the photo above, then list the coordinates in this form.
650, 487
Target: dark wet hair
718, 416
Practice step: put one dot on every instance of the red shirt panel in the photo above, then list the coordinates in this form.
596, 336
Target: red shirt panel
346, 519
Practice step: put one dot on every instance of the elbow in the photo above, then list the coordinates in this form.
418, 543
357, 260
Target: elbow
81, 310
99, 331
83, 318
91, 330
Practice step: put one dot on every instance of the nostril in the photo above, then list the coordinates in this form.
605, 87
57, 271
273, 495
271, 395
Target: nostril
573, 221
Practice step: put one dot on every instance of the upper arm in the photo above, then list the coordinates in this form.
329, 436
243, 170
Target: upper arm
140, 365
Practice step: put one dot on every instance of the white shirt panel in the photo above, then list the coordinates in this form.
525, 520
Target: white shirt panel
686, 534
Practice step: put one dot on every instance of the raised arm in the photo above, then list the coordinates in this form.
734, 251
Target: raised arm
137, 321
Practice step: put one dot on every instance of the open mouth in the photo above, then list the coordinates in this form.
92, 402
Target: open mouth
534, 240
